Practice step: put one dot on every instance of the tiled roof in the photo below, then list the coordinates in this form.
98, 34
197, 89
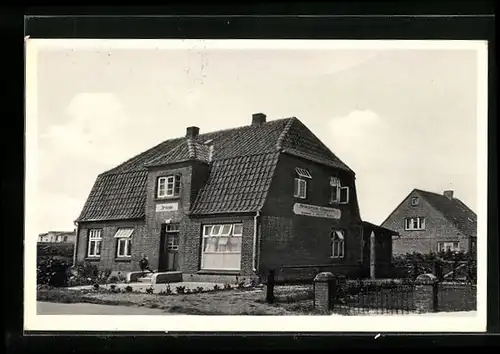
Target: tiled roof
116, 196
120, 192
237, 184
454, 210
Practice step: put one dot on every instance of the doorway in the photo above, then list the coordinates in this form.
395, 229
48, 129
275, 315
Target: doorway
169, 248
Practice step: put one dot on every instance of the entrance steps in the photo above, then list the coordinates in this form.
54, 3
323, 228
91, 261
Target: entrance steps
157, 277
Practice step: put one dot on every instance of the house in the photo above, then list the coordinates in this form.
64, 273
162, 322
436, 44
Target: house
225, 204
429, 223
58, 237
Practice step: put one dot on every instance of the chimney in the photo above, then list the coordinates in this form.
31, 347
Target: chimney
192, 132
448, 194
258, 119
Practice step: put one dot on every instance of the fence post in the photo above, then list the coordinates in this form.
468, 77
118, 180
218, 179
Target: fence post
426, 293
270, 287
324, 290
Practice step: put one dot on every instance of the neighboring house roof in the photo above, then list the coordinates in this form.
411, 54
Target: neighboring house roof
454, 210
242, 165
57, 233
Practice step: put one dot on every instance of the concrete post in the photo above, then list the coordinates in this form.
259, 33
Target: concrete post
324, 288
372, 255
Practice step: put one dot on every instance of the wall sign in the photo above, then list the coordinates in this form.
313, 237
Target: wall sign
167, 207
316, 211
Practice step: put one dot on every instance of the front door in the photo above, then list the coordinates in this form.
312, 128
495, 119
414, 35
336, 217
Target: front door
169, 243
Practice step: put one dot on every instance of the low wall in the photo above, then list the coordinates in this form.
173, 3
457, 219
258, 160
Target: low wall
456, 297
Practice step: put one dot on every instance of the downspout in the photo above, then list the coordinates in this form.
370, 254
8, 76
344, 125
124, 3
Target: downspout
76, 242
255, 235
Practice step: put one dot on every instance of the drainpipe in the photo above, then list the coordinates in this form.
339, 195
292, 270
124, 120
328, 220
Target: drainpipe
76, 242
255, 228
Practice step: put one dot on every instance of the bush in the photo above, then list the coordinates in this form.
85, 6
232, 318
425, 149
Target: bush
149, 290
128, 289
180, 289
53, 271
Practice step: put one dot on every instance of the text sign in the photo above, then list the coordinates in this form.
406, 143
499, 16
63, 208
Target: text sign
167, 207
316, 211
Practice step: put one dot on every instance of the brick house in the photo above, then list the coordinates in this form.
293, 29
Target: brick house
429, 223
225, 204
57, 237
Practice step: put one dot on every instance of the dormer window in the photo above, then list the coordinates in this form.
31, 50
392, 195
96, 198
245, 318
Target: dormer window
300, 183
414, 201
338, 194
169, 186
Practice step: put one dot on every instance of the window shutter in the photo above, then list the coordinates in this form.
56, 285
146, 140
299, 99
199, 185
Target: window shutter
296, 187
177, 185
344, 194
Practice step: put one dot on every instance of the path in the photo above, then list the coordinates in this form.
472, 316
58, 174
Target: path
52, 308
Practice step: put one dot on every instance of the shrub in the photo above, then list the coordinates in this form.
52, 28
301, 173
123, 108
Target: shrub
227, 286
216, 287
200, 289
113, 279
128, 289
112, 286
149, 290
180, 289
95, 286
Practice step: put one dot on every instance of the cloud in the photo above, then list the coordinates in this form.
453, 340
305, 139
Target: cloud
92, 131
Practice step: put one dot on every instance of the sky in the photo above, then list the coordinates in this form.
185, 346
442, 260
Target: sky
400, 118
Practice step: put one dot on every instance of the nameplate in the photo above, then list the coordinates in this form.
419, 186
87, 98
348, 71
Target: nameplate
167, 207
316, 211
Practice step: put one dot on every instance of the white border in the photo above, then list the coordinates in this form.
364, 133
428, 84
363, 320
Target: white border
416, 323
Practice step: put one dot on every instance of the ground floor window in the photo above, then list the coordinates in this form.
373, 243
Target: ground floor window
123, 238
337, 243
94, 243
222, 246
448, 247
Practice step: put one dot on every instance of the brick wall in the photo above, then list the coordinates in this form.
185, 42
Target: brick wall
290, 239
437, 228
141, 243
457, 297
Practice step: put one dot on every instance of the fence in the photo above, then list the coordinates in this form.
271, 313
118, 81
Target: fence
425, 294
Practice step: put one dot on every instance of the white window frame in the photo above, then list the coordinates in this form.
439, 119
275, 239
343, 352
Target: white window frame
297, 191
414, 201
167, 185
414, 223
338, 243
95, 239
443, 245
337, 188
221, 230
126, 241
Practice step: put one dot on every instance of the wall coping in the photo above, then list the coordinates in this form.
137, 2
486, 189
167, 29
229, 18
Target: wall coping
324, 277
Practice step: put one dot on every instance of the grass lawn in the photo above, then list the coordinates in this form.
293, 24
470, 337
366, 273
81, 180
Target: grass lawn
290, 300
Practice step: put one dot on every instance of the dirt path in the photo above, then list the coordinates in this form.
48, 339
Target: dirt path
51, 308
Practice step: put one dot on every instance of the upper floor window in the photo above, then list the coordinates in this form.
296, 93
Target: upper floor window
94, 243
415, 223
300, 183
338, 194
169, 186
414, 201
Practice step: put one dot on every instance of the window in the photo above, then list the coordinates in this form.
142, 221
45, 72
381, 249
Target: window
222, 246
338, 194
169, 186
95, 239
448, 247
300, 188
65, 239
337, 243
416, 223
414, 201
124, 242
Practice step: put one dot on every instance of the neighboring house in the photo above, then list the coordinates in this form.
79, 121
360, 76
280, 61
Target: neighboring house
429, 222
58, 237
229, 203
